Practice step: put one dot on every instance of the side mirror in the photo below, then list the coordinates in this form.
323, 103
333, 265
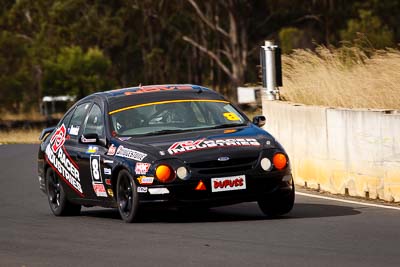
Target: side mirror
259, 120
90, 138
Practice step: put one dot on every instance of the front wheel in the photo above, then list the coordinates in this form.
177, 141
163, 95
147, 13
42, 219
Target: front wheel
127, 197
278, 204
59, 204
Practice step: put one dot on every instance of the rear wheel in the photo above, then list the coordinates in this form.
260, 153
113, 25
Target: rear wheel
278, 204
59, 204
127, 197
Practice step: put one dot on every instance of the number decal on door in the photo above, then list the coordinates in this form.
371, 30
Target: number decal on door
95, 169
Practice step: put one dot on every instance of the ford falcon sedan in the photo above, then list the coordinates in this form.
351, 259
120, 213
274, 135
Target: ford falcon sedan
182, 146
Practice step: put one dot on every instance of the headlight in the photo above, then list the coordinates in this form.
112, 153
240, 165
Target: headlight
266, 164
164, 173
182, 173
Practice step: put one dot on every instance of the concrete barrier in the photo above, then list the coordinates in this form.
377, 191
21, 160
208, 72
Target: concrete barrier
342, 151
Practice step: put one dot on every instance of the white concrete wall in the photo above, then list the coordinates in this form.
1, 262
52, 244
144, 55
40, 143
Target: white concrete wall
339, 150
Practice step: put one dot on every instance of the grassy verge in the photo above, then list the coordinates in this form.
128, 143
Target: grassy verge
20, 137
343, 77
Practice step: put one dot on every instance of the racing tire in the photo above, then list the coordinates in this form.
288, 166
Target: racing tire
127, 197
278, 204
59, 204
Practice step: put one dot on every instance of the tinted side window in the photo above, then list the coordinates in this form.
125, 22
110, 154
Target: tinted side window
95, 122
77, 120
67, 118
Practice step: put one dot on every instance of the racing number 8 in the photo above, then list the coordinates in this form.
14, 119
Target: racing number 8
95, 168
231, 116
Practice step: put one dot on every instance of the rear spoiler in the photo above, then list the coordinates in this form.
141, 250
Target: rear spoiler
45, 132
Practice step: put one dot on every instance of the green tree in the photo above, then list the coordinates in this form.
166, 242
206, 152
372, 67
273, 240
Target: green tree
15, 76
290, 38
368, 31
74, 72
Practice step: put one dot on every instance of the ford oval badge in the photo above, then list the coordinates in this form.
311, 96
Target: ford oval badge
223, 158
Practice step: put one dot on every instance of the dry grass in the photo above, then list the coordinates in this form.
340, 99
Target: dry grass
20, 137
33, 116
345, 77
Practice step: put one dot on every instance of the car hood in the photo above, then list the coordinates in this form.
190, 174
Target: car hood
221, 144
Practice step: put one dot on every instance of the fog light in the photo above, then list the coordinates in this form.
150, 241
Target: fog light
182, 173
265, 164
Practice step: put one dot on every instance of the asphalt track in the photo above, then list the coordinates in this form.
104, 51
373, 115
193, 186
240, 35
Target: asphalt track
316, 233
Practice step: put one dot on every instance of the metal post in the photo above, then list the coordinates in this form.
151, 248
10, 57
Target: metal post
271, 86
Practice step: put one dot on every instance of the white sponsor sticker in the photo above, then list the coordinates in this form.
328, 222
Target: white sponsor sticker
142, 168
74, 130
228, 183
158, 191
142, 189
107, 171
130, 153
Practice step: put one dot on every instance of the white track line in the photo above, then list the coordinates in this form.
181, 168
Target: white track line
348, 201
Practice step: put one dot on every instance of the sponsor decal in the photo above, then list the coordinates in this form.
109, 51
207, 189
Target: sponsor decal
99, 190
60, 160
111, 150
158, 191
143, 180
142, 168
58, 139
88, 140
107, 171
108, 181
74, 130
162, 153
97, 181
92, 149
130, 153
190, 145
157, 88
142, 189
108, 161
110, 192
228, 183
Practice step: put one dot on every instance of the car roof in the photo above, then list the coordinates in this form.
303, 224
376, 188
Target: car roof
152, 93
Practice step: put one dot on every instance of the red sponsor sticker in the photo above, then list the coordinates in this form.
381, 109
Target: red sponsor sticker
228, 183
58, 138
111, 150
99, 190
142, 168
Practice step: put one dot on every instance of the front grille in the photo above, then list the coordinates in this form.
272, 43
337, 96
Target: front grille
230, 166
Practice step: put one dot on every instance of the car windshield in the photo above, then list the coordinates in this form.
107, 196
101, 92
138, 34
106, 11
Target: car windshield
175, 116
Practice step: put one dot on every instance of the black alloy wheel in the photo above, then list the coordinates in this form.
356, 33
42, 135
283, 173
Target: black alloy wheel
59, 204
127, 197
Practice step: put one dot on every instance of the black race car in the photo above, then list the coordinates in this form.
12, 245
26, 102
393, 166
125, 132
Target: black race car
170, 145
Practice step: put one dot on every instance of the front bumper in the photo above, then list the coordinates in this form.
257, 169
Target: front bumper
184, 193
